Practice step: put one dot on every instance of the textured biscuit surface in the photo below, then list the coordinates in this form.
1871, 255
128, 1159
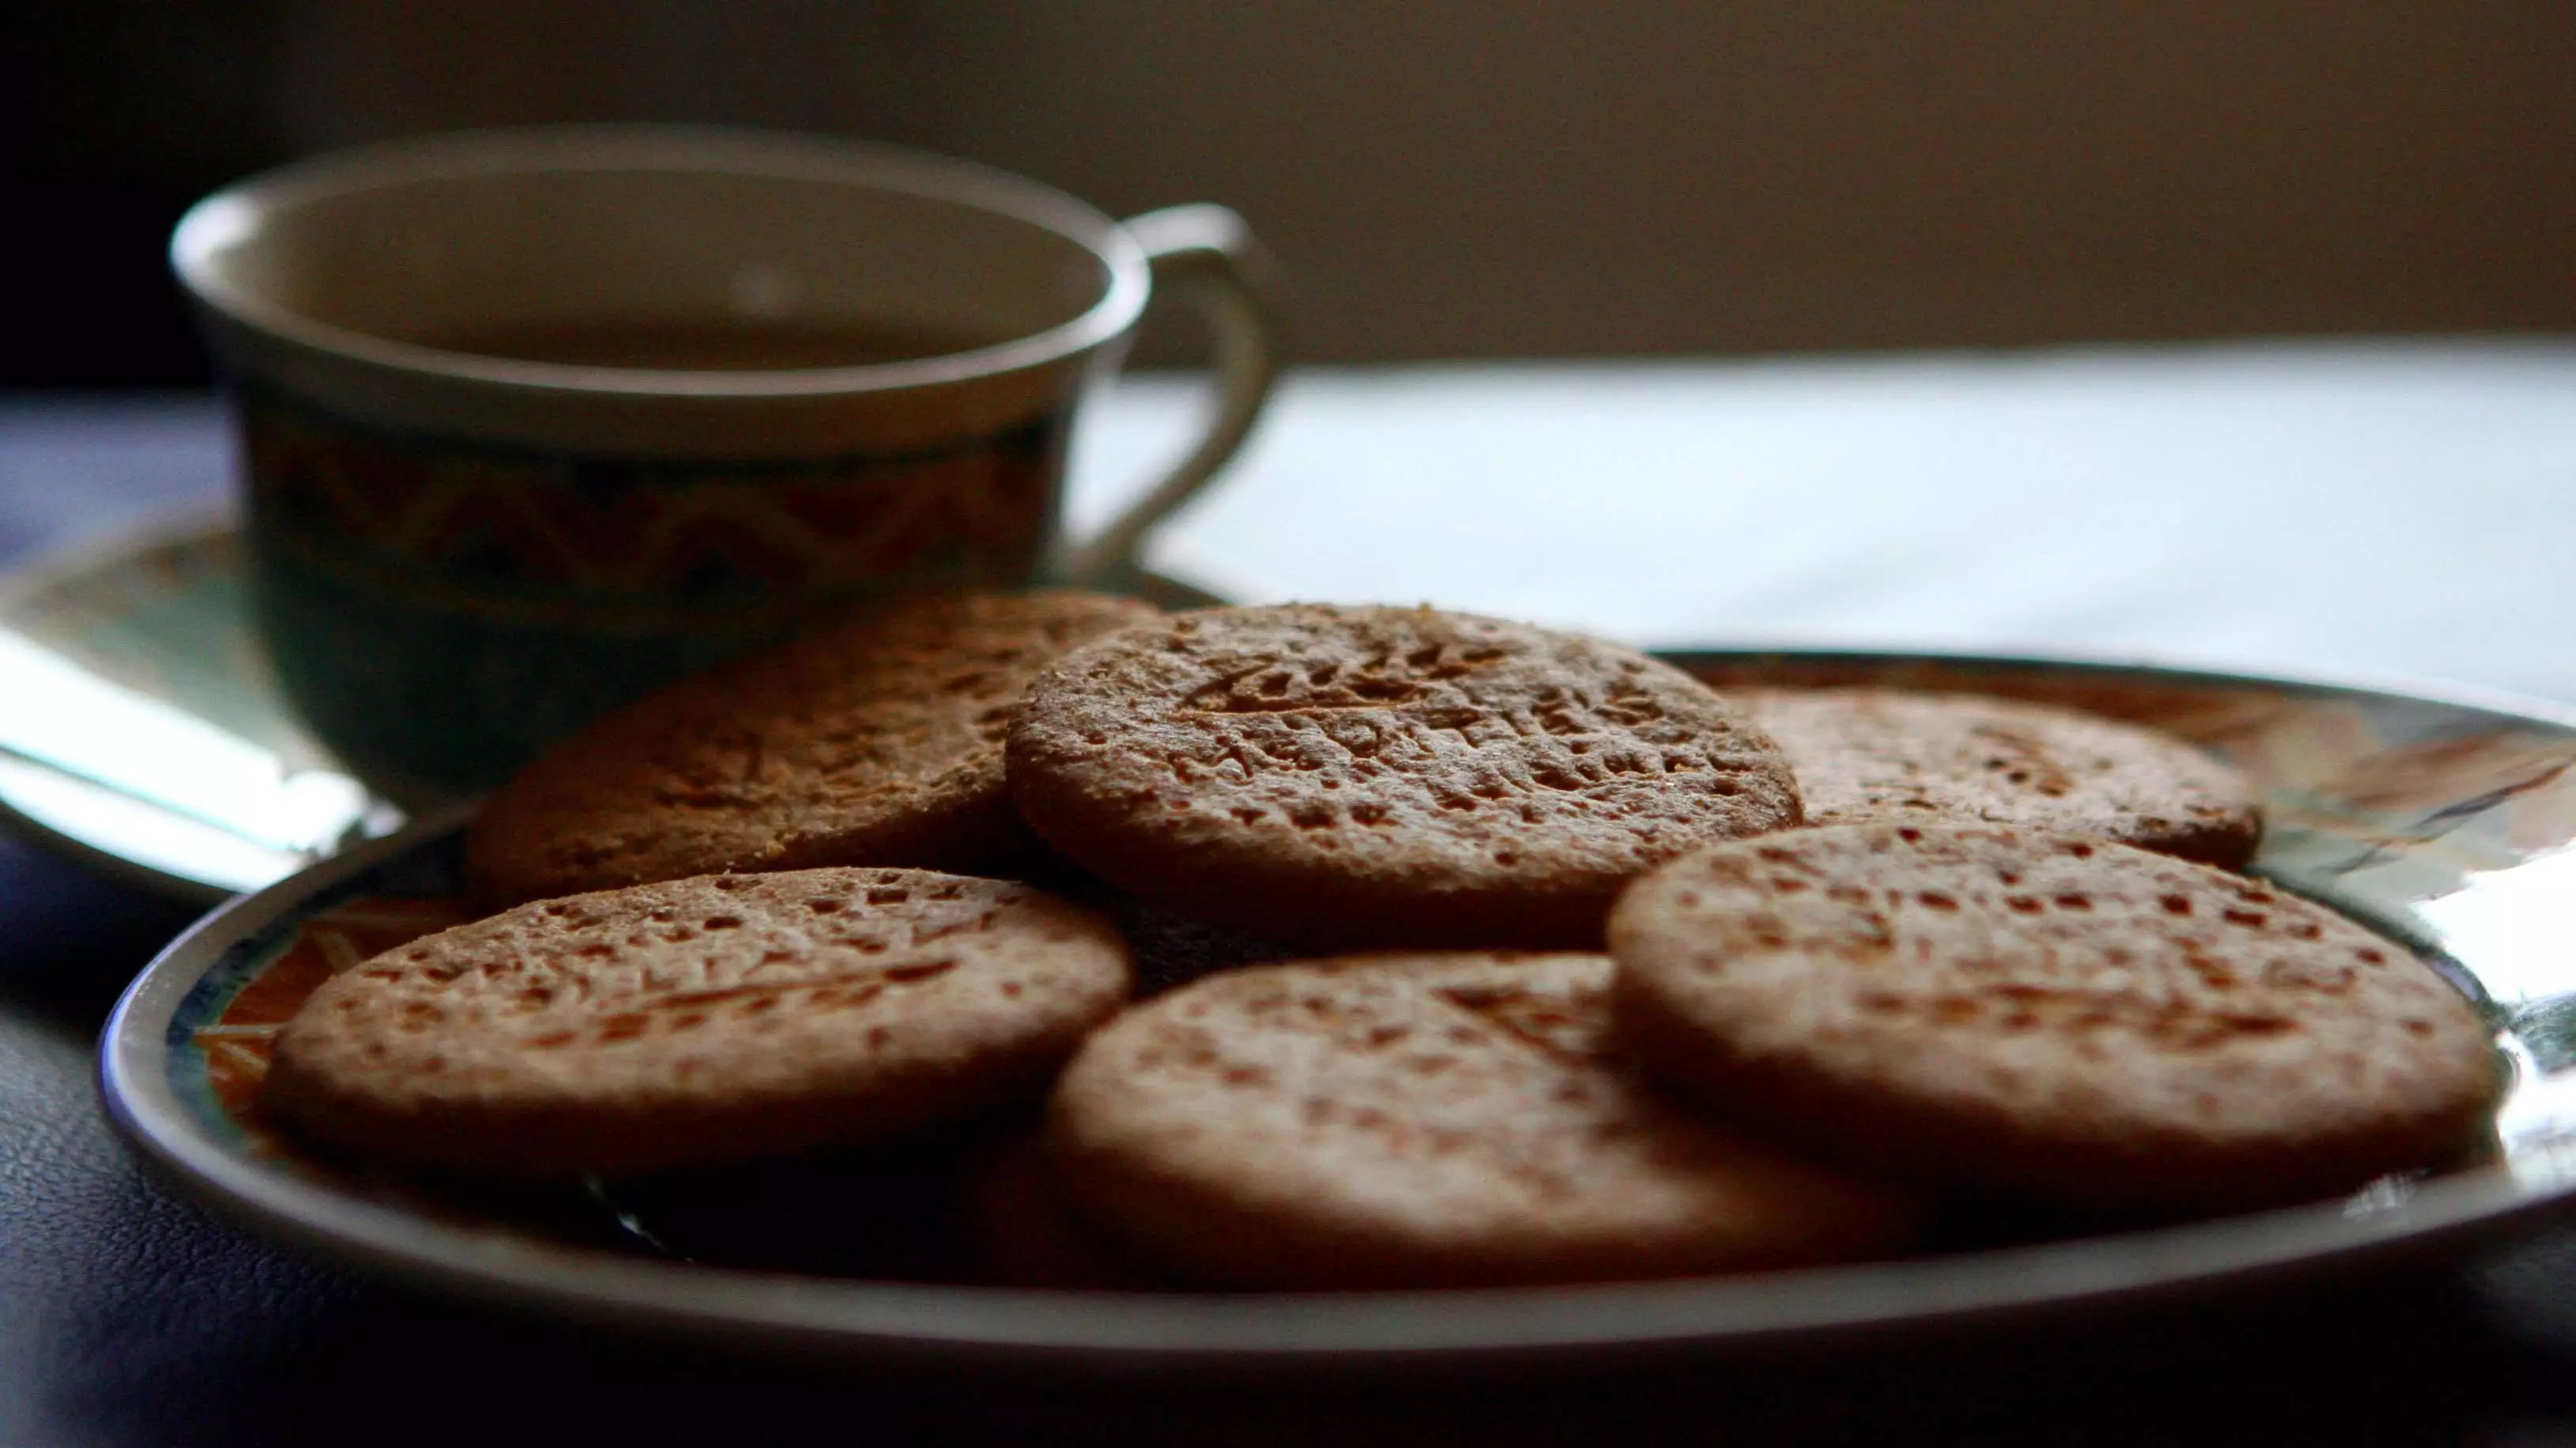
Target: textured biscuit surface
694, 1020
1447, 1119
875, 742
1384, 776
2067, 1021
1890, 754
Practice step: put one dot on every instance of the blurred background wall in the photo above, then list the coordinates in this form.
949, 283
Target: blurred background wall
1447, 178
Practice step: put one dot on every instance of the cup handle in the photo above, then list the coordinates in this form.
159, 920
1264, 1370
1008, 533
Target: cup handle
1209, 255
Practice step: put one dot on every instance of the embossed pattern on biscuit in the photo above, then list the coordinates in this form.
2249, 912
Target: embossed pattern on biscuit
695, 1020
1892, 754
878, 742
1384, 776
1449, 1119
2011, 1013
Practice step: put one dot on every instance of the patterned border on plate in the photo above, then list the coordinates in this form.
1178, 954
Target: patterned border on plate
219, 1037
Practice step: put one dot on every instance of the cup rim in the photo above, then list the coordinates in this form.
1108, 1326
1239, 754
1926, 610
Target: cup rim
222, 217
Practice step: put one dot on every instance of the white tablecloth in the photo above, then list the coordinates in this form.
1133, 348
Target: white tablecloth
2357, 507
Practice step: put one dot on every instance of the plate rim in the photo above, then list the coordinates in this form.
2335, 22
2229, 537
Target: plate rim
1275, 1331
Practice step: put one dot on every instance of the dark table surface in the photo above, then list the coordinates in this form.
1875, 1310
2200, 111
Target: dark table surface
129, 1316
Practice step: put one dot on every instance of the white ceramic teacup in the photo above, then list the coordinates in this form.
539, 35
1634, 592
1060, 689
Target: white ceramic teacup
534, 420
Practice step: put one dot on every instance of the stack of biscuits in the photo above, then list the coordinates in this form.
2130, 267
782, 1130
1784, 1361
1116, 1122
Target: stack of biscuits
1475, 953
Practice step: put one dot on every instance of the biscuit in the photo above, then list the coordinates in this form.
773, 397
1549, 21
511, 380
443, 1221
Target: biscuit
2074, 1024
1422, 1121
1890, 754
1166, 947
876, 742
1384, 776
707, 1019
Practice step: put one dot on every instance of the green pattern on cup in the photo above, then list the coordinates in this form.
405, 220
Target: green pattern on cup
526, 593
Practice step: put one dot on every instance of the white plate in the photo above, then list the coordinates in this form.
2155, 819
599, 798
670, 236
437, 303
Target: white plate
2440, 820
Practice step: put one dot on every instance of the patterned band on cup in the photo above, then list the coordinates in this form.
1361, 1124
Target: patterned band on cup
705, 546
439, 611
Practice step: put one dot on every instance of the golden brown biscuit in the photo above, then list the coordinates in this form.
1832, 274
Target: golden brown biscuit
1384, 776
1892, 754
877, 742
2077, 1023
708, 1019
1411, 1121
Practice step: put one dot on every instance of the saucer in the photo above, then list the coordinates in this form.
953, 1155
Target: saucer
142, 735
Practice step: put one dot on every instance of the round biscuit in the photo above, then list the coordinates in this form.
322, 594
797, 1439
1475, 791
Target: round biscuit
1384, 776
1863, 755
2071, 1022
874, 742
707, 1019
1419, 1121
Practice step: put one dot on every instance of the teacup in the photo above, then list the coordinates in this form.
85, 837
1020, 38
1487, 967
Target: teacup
533, 421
